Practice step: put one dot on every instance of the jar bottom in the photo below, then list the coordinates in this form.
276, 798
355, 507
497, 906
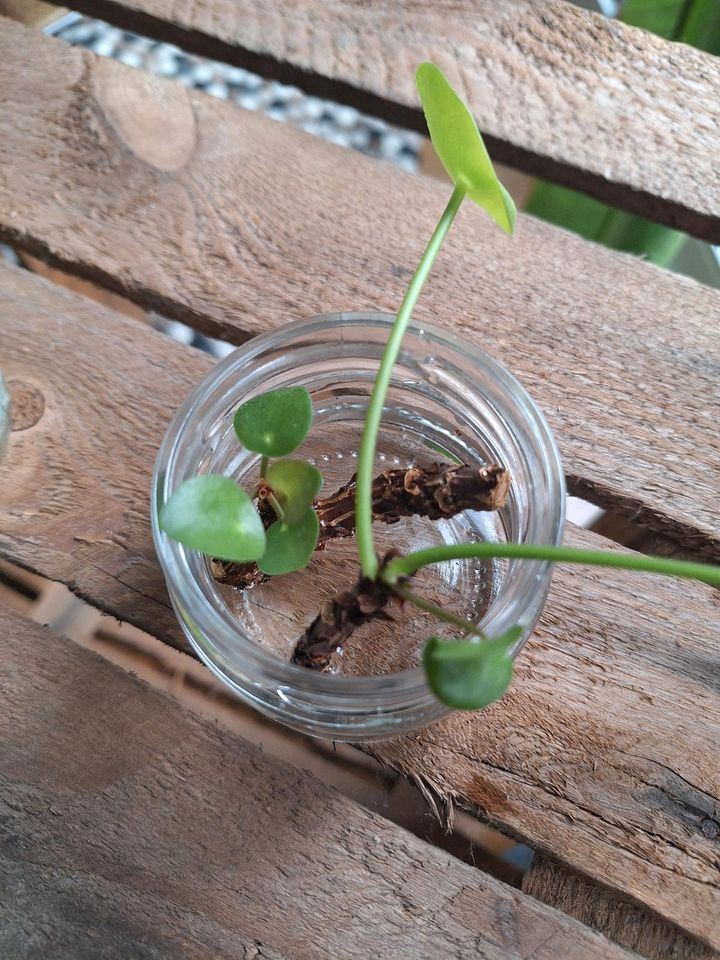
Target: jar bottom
275, 614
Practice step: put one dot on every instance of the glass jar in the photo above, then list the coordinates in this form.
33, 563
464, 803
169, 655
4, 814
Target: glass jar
448, 401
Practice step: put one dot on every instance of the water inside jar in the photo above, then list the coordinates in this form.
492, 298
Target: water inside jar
275, 614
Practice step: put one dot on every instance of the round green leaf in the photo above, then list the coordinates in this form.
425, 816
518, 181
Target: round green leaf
460, 147
214, 515
296, 484
469, 674
275, 423
289, 547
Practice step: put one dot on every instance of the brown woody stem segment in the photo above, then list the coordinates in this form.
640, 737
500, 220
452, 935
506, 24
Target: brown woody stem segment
337, 620
438, 492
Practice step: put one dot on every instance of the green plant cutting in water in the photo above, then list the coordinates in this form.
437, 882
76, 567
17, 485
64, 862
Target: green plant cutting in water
215, 515
276, 528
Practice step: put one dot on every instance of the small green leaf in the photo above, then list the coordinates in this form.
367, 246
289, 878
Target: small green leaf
469, 674
214, 515
445, 454
275, 423
295, 483
460, 147
289, 548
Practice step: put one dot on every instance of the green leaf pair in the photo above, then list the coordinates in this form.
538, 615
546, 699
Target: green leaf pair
216, 516
295, 483
292, 539
470, 674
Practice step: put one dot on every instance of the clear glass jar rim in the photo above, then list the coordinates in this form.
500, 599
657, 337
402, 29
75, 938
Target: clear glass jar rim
398, 689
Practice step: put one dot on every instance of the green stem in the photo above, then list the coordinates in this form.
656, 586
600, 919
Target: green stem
440, 612
403, 567
264, 466
275, 504
368, 444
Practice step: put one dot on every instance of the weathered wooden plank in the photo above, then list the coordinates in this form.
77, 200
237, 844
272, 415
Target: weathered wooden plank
35, 13
603, 753
601, 909
133, 829
236, 223
559, 92
74, 505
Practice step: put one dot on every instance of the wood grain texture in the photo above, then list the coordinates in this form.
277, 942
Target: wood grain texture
603, 753
75, 501
604, 910
34, 13
131, 828
559, 92
256, 224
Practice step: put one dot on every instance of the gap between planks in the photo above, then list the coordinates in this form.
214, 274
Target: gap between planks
339, 765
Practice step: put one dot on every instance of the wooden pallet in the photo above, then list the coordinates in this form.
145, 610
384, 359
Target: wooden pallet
133, 827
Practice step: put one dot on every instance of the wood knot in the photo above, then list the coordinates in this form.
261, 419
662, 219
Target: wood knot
27, 404
152, 117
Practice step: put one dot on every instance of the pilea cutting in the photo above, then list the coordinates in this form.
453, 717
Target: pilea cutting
275, 528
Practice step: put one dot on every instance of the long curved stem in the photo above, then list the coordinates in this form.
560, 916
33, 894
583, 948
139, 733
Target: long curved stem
368, 444
403, 567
